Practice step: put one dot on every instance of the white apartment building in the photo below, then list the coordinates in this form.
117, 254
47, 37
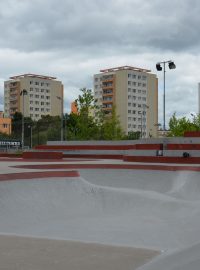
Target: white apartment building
33, 95
134, 93
199, 97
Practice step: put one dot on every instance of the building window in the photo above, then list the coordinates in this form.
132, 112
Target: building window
134, 76
31, 89
36, 109
37, 96
42, 103
37, 83
47, 97
139, 84
129, 82
139, 77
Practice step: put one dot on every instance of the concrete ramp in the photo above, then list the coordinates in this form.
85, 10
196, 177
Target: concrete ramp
185, 259
75, 209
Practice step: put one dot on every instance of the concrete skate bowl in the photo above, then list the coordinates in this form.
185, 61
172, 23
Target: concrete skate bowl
119, 208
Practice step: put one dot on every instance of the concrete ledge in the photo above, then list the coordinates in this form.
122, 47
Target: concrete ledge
42, 155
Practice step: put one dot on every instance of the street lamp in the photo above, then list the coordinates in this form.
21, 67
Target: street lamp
31, 136
141, 112
171, 65
61, 127
23, 93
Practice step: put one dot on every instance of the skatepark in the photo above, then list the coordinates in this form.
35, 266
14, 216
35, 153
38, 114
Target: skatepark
99, 214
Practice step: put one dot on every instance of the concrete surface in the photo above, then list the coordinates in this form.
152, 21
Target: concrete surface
119, 219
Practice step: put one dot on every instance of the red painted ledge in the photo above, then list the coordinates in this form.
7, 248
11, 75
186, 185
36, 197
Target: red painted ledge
42, 155
33, 175
152, 159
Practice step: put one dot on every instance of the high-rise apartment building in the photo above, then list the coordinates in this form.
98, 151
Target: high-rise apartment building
33, 95
134, 93
199, 98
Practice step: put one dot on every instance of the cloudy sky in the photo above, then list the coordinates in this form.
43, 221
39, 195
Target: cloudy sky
73, 40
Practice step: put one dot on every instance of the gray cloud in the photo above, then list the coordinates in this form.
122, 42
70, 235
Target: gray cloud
72, 40
82, 25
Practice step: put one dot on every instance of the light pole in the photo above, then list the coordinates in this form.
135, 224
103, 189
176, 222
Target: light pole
141, 113
31, 136
61, 127
171, 65
23, 93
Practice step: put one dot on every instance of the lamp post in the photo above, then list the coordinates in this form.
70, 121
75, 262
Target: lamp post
31, 136
61, 127
23, 93
141, 130
171, 65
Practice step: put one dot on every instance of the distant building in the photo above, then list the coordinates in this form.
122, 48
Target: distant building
43, 96
5, 124
134, 94
199, 97
74, 108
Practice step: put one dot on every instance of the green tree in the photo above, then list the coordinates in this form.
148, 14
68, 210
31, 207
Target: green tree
133, 135
85, 127
110, 128
178, 126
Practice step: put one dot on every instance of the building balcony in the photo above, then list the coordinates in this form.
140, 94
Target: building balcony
107, 94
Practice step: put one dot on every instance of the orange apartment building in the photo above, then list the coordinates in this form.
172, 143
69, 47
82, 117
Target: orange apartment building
74, 108
5, 124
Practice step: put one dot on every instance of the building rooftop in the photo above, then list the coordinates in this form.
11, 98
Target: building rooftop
33, 76
125, 68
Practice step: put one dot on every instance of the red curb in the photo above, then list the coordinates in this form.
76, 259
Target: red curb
111, 166
32, 175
